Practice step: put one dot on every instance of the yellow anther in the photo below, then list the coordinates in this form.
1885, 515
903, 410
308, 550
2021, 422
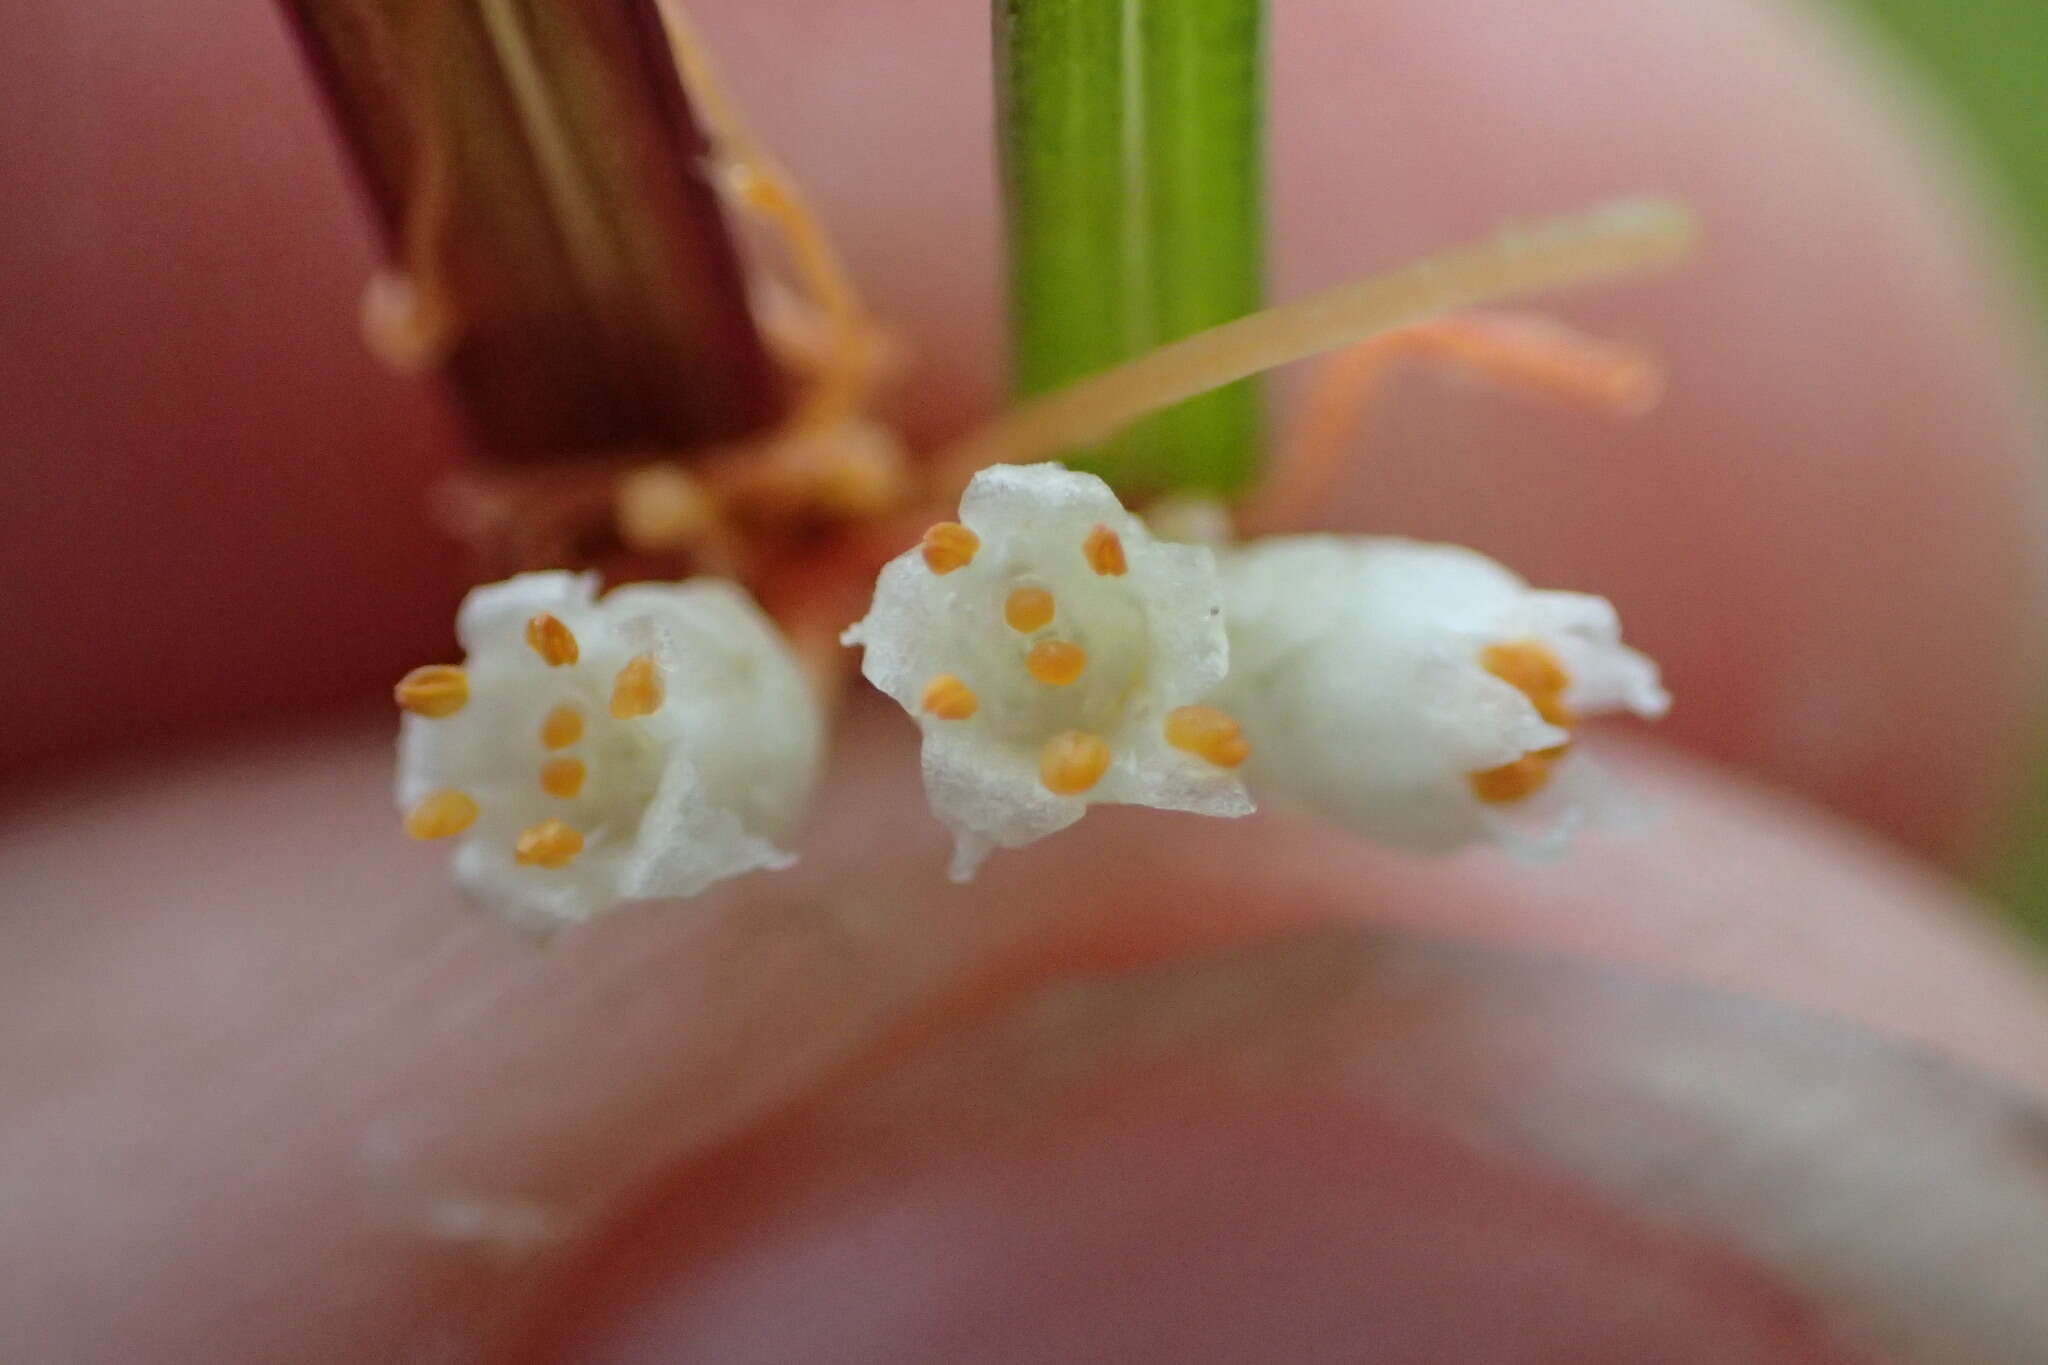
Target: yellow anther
1206, 732
637, 691
563, 727
1072, 762
553, 641
563, 777
1105, 552
551, 843
441, 815
1515, 781
949, 546
949, 699
1028, 609
436, 690
1056, 662
1531, 669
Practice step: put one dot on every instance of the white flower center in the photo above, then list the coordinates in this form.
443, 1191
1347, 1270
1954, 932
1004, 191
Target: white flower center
1076, 671
583, 746
622, 761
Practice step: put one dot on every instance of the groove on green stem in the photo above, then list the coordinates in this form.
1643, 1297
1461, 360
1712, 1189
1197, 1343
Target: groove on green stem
1130, 140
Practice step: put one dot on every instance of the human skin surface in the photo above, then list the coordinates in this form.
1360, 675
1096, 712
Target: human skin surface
1156, 1089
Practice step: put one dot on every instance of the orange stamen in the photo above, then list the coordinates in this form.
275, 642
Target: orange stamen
551, 843
436, 690
949, 546
1207, 733
1056, 662
563, 727
1105, 552
553, 641
1531, 669
637, 691
949, 699
1528, 666
1515, 781
1072, 762
441, 815
563, 777
1028, 609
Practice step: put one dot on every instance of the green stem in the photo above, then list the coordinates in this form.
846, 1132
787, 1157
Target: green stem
1130, 134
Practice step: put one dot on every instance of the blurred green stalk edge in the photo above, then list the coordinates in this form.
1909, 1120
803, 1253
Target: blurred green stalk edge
1988, 59
1130, 140
1130, 131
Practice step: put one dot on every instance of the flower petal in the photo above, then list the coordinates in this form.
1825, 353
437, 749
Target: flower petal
1134, 625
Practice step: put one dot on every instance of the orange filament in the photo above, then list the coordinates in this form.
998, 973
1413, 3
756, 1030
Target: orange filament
563, 777
436, 690
1521, 349
563, 727
1206, 732
551, 843
441, 815
949, 699
553, 641
949, 546
1072, 762
1056, 662
1105, 552
637, 691
1028, 609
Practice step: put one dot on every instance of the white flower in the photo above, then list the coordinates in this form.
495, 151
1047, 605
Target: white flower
1052, 651
1422, 694
642, 745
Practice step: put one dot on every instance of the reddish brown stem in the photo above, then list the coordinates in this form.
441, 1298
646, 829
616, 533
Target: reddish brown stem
535, 168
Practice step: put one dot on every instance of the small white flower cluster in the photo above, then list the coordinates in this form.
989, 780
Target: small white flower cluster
590, 750
1419, 694
662, 737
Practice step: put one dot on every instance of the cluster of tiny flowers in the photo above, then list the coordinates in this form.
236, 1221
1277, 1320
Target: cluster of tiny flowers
641, 745
1055, 654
